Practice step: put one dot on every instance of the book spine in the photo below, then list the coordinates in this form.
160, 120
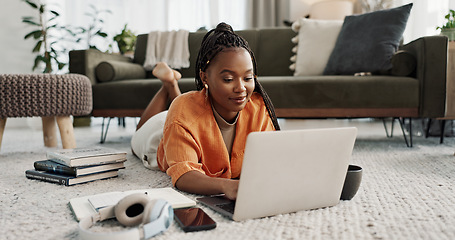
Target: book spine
46, 177
55, 168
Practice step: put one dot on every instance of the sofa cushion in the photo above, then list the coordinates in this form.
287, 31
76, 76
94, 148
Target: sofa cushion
342, 91
116, 70
367, 41
131, 94
316, 40
273, 51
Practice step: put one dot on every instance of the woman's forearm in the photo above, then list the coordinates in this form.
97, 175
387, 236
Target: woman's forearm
199, 183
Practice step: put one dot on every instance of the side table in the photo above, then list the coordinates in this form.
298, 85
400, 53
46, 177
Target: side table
450, 92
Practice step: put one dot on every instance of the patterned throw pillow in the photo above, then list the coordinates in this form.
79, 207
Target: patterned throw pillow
315, 42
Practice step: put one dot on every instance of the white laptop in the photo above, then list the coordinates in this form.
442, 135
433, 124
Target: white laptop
288, 171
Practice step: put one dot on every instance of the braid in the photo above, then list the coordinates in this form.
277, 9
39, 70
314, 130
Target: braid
215, 41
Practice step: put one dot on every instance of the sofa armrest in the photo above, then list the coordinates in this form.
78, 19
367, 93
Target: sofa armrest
85, 61
431, 55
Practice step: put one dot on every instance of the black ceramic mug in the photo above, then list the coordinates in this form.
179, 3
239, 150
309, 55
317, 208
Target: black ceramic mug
351, 182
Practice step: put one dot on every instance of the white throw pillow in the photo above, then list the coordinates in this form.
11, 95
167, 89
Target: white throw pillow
316, 41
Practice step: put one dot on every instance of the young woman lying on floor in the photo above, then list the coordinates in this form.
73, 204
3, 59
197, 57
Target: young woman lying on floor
199, 142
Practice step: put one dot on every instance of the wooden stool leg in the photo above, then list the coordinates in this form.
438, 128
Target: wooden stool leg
66, 131
49, 131
2, 129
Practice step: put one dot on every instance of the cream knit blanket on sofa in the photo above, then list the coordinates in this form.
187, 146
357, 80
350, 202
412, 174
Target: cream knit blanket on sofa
170, 47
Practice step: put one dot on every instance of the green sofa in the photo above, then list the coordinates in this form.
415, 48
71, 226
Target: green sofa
420, 94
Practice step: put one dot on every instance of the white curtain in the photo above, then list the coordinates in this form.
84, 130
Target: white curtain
267, 13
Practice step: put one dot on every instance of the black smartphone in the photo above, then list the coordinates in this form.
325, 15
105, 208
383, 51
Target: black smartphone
193, 219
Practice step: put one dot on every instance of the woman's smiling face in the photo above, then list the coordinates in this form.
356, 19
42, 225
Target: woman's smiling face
230, 80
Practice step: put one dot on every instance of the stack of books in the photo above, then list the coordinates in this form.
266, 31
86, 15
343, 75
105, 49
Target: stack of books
80, 165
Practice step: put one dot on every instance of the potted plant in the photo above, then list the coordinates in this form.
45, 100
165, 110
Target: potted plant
448, 29
94, 30
126, 40
47, 36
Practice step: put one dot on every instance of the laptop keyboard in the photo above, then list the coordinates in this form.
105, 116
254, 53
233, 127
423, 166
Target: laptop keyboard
229, 207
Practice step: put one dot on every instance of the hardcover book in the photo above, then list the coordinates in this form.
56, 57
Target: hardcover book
68, 180
86, 156
54, 167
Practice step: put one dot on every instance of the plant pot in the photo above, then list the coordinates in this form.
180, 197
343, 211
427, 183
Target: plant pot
81, 121
449, 32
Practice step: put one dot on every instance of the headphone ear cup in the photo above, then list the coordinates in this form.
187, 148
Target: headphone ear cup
154, 210
130, 210
147, 217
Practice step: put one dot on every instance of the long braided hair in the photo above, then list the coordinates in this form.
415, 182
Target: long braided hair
219, 39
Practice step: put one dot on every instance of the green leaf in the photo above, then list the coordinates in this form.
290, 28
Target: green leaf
42, 8
70, 32
51, 26
36, 62
32, 4
90, 15
53, 51
55, 13
101, 34
36, 34
38, 59
61, 66
52, 19
37, 46
31, 22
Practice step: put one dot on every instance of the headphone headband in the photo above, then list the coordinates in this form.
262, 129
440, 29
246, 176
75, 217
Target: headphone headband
157, 216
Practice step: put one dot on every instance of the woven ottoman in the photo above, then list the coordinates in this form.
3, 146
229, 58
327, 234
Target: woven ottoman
52, 97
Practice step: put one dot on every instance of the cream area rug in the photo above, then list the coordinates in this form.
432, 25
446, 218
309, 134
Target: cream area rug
406, 193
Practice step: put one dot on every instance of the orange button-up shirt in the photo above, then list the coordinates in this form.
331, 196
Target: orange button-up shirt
192, 139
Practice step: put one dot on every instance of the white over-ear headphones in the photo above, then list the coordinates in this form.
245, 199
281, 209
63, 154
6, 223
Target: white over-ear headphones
154, 216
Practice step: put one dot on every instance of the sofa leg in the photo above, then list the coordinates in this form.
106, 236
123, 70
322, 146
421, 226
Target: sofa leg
121, 122
402, 122
385, 127
443, 125
104, 132
427, 131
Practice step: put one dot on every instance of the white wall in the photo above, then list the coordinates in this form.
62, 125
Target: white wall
18, 57
425, 16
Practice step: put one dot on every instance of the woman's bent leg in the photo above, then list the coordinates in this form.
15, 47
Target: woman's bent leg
167, 93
